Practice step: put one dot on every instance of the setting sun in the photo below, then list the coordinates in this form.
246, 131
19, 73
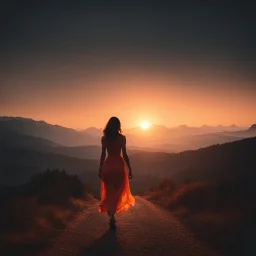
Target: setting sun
145, 125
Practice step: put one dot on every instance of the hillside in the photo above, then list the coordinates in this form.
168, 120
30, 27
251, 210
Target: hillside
22, 156
55, 133
15, 140
214, 196
211, 164
17, 165
12, 139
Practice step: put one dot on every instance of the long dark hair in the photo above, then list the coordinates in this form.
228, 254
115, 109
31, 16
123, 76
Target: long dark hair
113, 128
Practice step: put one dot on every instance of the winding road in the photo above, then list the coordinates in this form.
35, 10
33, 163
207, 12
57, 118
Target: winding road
145, 229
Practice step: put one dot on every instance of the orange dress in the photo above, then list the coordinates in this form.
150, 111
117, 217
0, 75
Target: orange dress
115, 190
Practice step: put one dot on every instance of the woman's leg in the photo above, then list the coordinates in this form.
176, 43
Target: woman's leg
113, 217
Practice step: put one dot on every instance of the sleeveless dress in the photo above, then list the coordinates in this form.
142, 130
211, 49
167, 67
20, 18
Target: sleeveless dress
115, 190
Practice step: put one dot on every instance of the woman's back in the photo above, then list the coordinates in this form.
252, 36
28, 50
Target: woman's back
113, 146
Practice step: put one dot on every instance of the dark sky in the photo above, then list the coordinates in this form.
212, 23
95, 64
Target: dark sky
46, 46
221, 30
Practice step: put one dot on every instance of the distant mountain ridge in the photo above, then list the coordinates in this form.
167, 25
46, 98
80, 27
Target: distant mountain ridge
252, 127
157, 137
93, 131
14, 140
55, 133
184, 137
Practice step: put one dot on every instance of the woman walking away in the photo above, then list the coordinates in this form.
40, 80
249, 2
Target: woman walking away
115, 190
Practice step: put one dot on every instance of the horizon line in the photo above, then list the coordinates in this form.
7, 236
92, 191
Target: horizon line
132, 127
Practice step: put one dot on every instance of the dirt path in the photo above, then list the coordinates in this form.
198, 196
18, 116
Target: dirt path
145, 229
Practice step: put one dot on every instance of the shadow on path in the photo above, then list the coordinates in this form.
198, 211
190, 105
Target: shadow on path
107, 244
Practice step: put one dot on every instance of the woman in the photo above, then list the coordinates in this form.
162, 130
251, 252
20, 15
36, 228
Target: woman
115, 190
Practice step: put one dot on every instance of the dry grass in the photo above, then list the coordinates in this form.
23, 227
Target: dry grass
31, 221
25, 222
219, 217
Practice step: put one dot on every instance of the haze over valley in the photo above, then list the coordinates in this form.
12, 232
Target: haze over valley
28, 147
154, 138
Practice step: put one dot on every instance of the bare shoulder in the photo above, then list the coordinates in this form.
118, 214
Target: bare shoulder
103, 138
123, 138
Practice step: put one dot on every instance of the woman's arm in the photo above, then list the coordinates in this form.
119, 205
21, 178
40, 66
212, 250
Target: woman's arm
103, 154
125, 156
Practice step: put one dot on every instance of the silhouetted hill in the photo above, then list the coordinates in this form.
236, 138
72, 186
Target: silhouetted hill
157, 138
215, 194
9, 138
12, 139
93, 131
251, 132
55, 133
23, 155
16, 140
210, 164
17, 165
253, 127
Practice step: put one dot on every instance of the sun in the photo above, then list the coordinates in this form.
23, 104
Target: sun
145, 125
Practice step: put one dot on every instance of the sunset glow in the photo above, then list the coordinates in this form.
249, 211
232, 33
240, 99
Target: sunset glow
80, 76
145, 125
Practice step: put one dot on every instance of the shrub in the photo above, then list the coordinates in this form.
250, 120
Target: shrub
45, 204
55, 187
193, 196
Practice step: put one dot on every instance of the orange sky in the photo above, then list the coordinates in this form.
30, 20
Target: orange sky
172, 64
132, 96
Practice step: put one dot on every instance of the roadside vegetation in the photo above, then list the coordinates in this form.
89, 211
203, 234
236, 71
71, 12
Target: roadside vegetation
221, 215
32, 214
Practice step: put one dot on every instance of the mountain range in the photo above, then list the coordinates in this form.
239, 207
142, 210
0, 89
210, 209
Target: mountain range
157, 138
55, 133
23, 154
